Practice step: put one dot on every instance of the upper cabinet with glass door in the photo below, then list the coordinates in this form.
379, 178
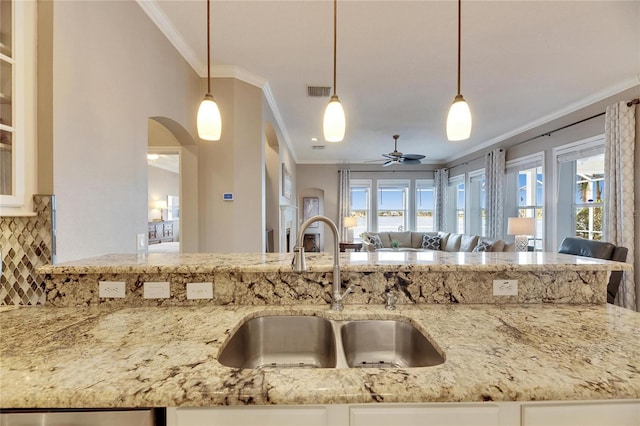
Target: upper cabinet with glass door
14, 75
7, 130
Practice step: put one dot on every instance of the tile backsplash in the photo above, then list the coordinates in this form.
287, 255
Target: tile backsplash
26, 243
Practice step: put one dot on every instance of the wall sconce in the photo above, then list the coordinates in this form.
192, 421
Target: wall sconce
522, 228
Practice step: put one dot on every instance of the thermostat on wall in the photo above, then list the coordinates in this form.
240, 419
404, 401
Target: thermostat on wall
227, 196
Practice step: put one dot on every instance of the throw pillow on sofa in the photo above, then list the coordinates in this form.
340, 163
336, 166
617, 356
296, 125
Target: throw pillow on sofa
482, 246
431, 242
376, 241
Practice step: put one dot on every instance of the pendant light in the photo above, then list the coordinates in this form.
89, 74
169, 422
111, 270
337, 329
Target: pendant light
459, 118
334, 122
209, 120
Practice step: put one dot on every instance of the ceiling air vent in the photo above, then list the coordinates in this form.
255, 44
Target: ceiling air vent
318, 91
317, 146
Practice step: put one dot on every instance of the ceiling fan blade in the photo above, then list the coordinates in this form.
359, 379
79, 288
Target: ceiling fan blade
392, 155
410, 161
389, 163
413, 156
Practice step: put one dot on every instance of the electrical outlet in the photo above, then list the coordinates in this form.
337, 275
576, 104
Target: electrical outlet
141, 242
111, 289
156, 290
505, 287
199, 291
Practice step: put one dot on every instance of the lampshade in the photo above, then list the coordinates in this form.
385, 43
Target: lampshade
334, 122
459, 120
350, 222
209, 120
160, 204
521, 226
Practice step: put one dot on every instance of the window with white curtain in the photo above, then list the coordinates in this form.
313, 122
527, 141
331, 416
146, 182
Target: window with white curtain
361, 206
477, 203
456, 205
393, 205
525, 193
580, 189
425, 205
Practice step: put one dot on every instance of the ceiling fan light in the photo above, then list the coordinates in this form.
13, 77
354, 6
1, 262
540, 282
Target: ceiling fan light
334, 122
209, 120
459, 120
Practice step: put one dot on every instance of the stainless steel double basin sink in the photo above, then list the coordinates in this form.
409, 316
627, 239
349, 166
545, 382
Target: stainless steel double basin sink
312, 342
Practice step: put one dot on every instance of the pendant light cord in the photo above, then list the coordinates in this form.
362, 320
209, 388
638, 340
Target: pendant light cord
208, 47
335, 43
459, 37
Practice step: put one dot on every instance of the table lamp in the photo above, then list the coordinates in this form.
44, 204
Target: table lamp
160, 205
350, 222
521, 227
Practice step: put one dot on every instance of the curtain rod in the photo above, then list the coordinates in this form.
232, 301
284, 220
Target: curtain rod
635, 101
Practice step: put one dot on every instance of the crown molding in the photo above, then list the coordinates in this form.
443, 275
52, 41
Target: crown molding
157, 16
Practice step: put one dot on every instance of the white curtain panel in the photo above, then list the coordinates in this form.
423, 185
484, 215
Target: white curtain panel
441, 181
344, 202
618, 227
495, 173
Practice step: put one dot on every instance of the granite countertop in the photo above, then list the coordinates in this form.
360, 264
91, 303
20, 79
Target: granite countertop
167, 356
427, 261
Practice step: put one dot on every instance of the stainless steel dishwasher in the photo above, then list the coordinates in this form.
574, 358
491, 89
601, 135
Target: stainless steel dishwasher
120, 417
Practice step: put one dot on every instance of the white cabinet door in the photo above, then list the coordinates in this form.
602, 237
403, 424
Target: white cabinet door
248, 416
423, 415
582, 414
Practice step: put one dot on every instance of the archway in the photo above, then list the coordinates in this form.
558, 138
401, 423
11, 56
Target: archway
166, 136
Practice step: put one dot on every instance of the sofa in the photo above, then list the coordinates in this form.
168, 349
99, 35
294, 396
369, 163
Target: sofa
444, 241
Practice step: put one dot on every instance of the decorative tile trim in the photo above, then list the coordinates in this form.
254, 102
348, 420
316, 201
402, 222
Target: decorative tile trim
27, 243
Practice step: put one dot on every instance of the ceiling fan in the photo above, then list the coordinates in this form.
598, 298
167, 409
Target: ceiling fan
396, 157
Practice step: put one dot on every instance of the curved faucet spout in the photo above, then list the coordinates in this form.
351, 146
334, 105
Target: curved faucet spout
299, 264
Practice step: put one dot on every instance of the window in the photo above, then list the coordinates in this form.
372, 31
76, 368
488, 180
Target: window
525, 194
580, 189
425, 206
361, 206
456, 205
392, 206
477, 214
589, 199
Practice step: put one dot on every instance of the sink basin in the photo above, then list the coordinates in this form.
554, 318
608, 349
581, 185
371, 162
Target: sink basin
387, 343
281, 342
311, 342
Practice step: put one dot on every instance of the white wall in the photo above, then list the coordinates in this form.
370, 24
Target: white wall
112, 70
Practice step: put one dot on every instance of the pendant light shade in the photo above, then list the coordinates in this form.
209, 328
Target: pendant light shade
459, 118
334, 122
209, 121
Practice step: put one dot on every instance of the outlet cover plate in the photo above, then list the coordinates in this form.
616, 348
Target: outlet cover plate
505, 287
111, 289
199, 291
156, 290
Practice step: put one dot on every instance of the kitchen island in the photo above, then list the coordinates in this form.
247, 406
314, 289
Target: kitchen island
129, 353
